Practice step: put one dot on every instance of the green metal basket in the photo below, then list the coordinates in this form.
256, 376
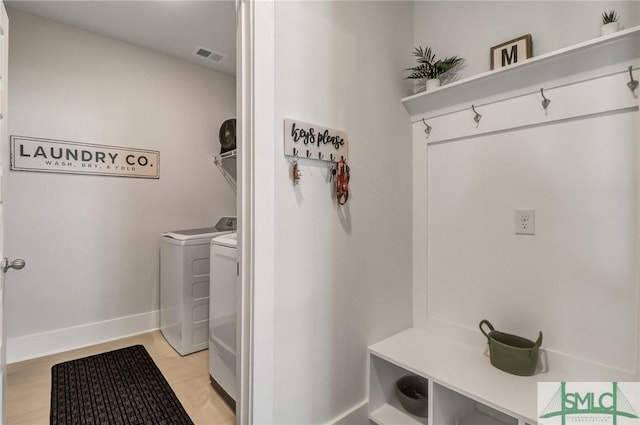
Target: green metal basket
511, 353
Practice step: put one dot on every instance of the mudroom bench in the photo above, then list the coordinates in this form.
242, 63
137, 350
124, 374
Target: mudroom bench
463, 387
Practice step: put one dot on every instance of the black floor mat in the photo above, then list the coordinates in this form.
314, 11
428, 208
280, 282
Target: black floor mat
119, 387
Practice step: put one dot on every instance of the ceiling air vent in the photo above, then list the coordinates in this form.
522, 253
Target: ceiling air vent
209, 54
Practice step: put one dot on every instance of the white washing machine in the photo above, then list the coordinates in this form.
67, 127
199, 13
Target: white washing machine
184, 285
224, 293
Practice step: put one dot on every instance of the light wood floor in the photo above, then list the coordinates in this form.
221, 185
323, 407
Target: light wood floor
29, 382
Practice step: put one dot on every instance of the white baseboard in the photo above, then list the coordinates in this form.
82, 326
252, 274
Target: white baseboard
356, 415
60, 340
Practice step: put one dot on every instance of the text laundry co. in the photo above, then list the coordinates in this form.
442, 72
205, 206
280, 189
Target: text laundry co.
33, 154
67, 154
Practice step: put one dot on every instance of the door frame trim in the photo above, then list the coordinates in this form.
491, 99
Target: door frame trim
256, 209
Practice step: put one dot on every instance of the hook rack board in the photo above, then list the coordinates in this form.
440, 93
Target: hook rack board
605, 94
311, 141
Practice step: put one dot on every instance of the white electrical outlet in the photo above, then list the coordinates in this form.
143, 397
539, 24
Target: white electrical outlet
525, 221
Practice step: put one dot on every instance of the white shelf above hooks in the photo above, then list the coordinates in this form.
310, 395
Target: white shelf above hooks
620, 50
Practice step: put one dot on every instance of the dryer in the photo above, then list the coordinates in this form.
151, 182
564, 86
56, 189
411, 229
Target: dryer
223, 315
184, 285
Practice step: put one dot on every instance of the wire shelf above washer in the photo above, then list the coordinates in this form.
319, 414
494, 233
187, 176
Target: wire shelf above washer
219, 158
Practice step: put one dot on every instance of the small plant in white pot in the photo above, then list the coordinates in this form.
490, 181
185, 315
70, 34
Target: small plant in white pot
610, 22
430, 73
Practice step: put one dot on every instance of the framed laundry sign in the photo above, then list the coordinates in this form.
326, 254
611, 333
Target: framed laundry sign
312, 141
58, 156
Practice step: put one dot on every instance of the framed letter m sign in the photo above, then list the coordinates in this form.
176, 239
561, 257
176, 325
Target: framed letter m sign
511, 52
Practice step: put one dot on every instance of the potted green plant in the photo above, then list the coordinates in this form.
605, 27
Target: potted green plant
431, 73
610, 22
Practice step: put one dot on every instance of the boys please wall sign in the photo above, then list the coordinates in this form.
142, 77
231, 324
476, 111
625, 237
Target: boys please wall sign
58, 156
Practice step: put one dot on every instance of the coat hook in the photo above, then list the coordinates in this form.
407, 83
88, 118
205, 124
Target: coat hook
320, 156
331, 157
478, 116
295, 152
545, 101
427, 128
633, 84
308, 153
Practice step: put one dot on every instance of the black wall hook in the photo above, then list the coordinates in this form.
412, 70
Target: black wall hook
545, 101
633, 84
427, 128
295, 152
478, 117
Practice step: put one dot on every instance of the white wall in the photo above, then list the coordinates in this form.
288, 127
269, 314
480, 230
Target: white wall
469, 29
342, 274
90, 242
577, 278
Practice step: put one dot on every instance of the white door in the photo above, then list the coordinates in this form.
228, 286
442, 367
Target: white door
4, 167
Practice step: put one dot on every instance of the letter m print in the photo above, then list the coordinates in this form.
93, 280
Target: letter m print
509, 57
